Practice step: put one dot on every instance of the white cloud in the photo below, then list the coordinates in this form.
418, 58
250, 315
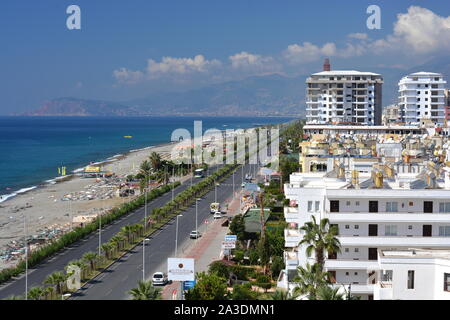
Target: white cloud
308, 52
249, 62
124, 75
169, 65
418, 31
359, 36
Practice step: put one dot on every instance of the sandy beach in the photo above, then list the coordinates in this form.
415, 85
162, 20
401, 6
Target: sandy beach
44, 207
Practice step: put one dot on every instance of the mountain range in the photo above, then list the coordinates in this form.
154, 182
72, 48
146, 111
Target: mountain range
268, 95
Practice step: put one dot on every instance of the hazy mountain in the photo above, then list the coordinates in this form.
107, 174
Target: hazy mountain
268, 95
81, 107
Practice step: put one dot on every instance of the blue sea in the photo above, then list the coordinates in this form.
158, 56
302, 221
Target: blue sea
32, 148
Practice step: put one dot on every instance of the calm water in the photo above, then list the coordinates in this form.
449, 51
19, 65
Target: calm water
32, 148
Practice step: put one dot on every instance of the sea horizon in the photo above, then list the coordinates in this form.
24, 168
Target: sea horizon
34, 147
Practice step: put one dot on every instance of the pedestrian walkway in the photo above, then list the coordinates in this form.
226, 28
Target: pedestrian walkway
208, 248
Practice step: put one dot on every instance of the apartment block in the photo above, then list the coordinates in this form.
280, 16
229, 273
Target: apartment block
422, 97
344, 97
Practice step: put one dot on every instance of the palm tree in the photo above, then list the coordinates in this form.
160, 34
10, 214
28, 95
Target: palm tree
80, 264
127, 231
90, 258
284, 295
145, 291
36, 293
155, 161
320, 238
309, 279
118, 241
56, 279
107, 249
329, 293
49, 293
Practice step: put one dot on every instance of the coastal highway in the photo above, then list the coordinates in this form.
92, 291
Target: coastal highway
119, 278
38, 274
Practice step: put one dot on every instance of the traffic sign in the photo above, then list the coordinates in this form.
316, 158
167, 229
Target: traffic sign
188, 285
230, 237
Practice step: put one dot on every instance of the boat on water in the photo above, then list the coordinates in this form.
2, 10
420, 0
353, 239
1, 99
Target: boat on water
128, 137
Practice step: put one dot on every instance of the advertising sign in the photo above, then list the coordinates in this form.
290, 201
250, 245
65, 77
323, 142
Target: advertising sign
180, 269
188, 285
228, 244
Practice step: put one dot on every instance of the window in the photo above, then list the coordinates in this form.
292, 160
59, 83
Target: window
444, 231
411, 203
347, 250
348, 203
447, 282
410, 279
391, 207
409, 227
444, 207
347, 226
356, 273
357, 203
310, 203
317, 206
346, 273
356, 250
390, 230
356, 226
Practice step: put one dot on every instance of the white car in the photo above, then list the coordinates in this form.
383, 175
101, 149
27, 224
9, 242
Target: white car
159, 279
195, 234
217, 215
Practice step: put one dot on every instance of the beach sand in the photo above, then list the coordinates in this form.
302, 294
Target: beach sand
44, 207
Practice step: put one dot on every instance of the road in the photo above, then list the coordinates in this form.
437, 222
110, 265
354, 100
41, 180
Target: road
37, 275
124, 275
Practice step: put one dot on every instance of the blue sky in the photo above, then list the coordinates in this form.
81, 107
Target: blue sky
109, 58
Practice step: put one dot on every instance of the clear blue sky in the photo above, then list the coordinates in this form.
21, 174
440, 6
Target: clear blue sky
41, 59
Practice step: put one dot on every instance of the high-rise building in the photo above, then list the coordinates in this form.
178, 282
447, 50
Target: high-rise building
344, 97
421, 97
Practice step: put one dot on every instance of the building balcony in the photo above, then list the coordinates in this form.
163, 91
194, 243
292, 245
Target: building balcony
380, 217
383, 291
291, 259
357, 288
394, 241
291, 214
338, 264
292, 238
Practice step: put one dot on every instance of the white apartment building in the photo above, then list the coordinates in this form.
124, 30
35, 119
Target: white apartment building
413, 274
389, 211
421, 96
344, 97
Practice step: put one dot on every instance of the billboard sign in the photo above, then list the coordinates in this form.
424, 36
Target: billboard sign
180, 269
228, 244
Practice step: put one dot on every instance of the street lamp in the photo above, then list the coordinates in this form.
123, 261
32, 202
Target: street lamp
143, 257
176, 236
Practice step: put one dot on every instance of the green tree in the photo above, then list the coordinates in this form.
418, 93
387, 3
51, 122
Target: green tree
57, 279
326, 292
283, 295
36, 293
276, 266
320, 238
244, 292
264, 282
309, 279
145, 291
208, 287
155, 161
219, 268
90, 257
237, 227
264, 252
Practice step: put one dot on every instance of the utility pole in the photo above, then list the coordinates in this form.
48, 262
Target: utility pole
173, 168
26, 255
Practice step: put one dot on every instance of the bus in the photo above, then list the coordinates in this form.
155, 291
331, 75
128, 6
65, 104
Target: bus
199, 173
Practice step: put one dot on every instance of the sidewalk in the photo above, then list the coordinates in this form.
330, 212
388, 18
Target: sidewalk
208, 248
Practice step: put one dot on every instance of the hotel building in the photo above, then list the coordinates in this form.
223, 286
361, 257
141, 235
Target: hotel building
389, 208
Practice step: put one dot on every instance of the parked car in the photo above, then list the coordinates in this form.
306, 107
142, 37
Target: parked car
160, 279
217, 215
195, 234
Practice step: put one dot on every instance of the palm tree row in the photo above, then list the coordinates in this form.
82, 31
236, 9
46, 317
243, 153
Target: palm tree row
81, 232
